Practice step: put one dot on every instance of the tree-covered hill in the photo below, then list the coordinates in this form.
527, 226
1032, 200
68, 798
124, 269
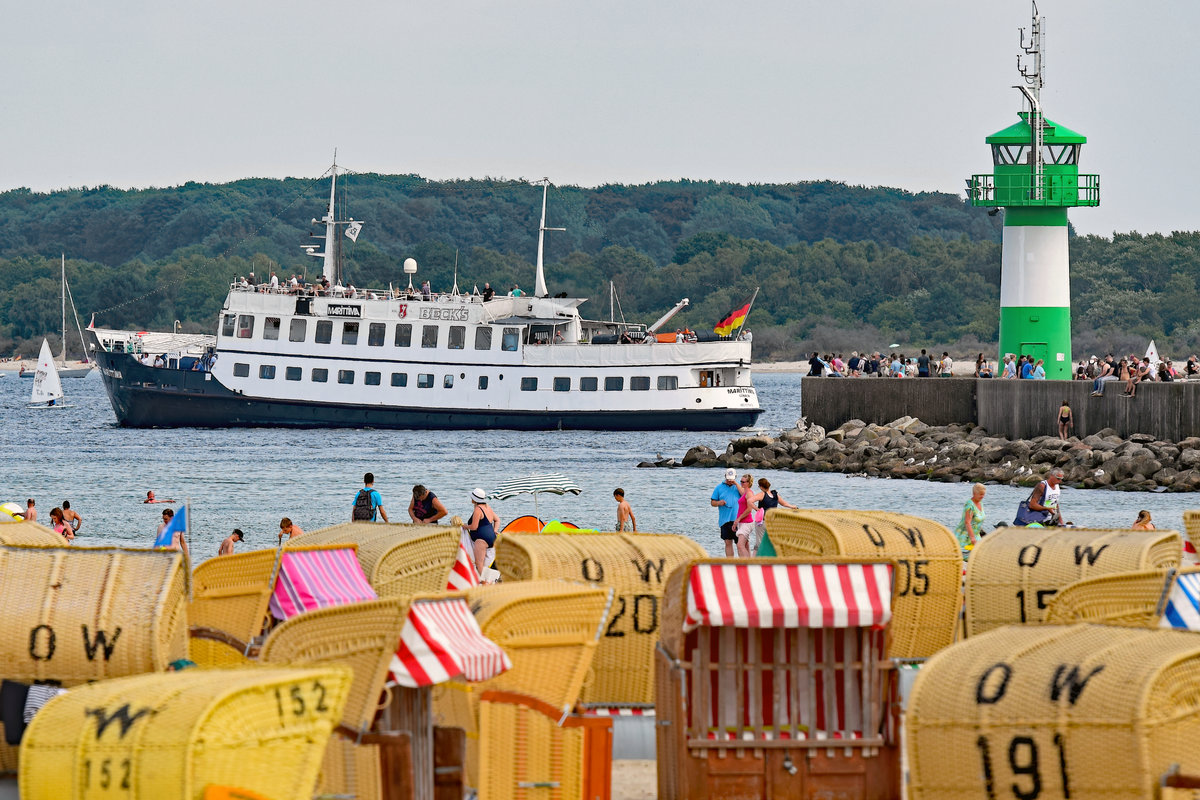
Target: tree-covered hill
838, 266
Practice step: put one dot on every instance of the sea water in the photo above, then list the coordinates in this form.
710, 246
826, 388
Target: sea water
250, 478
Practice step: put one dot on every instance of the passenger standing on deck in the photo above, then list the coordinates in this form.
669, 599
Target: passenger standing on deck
71, 517
368, 503
226, 548
488, 292
625, 516
30, 511
425, 508
725, 497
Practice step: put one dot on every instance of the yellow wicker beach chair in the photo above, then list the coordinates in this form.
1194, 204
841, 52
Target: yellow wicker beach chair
173, 735
398, 560
1014, 573
28, 533
636, 566
229, 595
362, 636
928, 565
1077, 711
549, 630
1124, 599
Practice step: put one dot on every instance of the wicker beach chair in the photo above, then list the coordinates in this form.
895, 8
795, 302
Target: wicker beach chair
636, 566
28, 533
398, 560
362, 636
927, 557
229, 606
174, 735
1013, 574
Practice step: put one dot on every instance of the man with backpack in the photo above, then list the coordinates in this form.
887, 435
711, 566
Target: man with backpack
368, 502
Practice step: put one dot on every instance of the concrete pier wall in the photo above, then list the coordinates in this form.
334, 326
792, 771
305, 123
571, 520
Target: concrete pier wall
1010, 408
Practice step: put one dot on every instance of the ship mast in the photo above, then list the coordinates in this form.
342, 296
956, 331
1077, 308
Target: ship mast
331, 257
539, 284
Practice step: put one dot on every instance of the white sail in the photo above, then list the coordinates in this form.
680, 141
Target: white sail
46, 385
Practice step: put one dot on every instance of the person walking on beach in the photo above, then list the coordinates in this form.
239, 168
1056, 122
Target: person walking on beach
768, 498
71, 517
30, 511
970, 524
481, 527
747, 515
368, 503
1143, 523
624, 512
425, 508
1066, 421
226, 548
725, 498
289, 529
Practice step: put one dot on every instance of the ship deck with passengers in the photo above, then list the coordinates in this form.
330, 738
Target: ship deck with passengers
324, 354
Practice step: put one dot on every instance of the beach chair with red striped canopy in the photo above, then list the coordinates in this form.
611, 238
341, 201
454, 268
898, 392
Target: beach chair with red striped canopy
772, 673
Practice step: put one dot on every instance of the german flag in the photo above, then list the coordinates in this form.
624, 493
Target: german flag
735, 318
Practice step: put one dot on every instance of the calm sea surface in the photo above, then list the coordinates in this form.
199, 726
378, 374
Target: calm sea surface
249, 478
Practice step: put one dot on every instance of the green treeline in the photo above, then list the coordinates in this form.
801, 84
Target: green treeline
839, 267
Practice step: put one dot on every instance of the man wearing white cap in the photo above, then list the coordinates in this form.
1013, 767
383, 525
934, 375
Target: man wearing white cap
725, 498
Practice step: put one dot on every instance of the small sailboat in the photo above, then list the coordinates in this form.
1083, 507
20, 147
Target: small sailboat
47, 388
86, 366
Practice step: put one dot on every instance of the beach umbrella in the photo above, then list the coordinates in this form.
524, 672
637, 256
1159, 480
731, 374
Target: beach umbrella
553, 483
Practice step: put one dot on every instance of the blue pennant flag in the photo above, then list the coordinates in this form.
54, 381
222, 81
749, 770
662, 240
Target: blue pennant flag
177, 523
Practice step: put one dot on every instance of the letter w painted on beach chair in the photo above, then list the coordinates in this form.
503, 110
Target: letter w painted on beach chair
312, 579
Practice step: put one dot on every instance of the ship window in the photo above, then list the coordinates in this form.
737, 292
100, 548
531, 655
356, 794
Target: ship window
667, 382
424, 380
528, 384
587, 384
228, 325
245, 326
298, 330
399, 379
458, 337
510, 339
292, 373
349, 333
447, 381
483, 338
429, 335
483, 381
562, 384
320, 375
639, 383
345, 376
241, 370
271, 328
324, 331
371, 378
375, 334
614, 384
403, 335
267, 372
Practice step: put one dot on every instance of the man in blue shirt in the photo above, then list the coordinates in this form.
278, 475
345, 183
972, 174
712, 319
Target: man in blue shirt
725, 498
1027, 368
368, 503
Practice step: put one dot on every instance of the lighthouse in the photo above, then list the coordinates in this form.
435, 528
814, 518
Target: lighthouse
1035, 179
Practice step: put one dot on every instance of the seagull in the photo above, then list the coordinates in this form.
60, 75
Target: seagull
1021, 470
1098, 473
1007, 464
932, 460
910, 461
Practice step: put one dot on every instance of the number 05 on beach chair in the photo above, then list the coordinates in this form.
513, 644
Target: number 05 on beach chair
773, 681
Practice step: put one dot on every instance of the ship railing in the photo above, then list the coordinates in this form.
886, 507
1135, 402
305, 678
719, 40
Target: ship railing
354, 293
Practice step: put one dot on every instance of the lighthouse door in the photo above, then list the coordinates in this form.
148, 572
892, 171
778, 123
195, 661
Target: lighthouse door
1035, 350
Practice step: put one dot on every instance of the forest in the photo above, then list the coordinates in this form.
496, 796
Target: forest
838, 267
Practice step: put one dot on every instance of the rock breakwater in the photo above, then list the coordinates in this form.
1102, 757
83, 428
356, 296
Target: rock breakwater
908, 448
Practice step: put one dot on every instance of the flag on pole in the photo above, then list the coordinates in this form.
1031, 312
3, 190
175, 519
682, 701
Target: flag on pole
177, 523
734, 319
352, 230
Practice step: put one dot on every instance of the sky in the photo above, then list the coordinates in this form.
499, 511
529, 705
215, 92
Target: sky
137, 94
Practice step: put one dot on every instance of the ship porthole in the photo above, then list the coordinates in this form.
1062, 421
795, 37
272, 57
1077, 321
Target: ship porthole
697, 399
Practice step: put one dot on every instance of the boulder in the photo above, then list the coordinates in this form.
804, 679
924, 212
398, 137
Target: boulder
742, 445
760, 454
1141, 438
1189, 459
698, 453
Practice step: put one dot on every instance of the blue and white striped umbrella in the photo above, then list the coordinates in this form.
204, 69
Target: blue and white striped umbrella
535, 485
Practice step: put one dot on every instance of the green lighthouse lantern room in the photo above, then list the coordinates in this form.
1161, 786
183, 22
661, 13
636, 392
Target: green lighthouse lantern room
1035, 179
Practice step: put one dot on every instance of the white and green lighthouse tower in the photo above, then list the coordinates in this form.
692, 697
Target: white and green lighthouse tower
1035, 180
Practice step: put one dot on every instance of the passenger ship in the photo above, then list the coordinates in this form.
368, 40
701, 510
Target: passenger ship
313, 356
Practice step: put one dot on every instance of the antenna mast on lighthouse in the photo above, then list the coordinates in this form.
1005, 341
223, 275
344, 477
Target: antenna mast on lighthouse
1034, 77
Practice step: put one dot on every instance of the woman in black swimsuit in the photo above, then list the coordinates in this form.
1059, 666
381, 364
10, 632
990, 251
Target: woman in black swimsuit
1065, 421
